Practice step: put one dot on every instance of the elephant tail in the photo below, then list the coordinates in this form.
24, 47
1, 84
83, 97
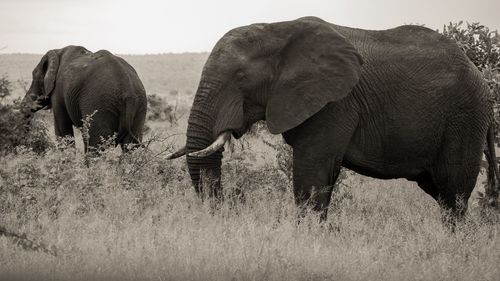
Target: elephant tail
492, 188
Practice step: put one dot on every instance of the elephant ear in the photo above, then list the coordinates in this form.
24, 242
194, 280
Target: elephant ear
317, 66
49, 80
44, 74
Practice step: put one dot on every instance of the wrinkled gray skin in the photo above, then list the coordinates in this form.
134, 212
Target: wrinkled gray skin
398, 103
75, 82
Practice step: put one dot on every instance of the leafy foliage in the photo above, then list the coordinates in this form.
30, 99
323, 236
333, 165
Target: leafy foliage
481, 45
15, 129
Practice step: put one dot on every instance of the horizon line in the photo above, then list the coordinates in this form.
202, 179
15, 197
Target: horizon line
121, 54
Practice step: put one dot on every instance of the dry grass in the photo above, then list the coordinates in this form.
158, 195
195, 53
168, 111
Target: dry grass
136, 217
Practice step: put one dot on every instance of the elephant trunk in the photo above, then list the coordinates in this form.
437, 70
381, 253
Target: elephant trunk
205, 171
32, 102
29, 105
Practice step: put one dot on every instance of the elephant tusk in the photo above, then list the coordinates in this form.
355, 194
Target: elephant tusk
180, 152
216, 145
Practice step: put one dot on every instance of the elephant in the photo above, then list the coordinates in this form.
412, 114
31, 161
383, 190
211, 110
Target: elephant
398, 103
76, 83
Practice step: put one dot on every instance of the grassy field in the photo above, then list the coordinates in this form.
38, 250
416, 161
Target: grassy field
136, 216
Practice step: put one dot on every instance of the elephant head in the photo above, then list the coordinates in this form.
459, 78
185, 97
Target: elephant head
44, 78
282, 72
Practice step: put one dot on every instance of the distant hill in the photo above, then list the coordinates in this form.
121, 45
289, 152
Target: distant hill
160, 74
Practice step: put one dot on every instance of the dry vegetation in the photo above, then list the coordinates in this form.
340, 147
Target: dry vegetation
136, 217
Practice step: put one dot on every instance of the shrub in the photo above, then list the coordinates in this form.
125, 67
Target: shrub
5, 87
160, 110
15, 129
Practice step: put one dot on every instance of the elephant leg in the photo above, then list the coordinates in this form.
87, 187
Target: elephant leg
319, 146
63, 125
455, 176
313, 180
426, 183
454, 190
132, 139
96, 138
446, 200
130, 142
103, 126
453, 203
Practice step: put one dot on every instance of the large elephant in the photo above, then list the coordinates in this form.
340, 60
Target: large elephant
76, 83
398, 103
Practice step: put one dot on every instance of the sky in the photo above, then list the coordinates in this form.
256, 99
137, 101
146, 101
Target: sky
155, 26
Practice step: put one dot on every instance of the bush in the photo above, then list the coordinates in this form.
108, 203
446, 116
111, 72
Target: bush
5, 87
15, 129
160, 110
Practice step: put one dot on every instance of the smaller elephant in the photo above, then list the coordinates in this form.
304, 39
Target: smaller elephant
76, 83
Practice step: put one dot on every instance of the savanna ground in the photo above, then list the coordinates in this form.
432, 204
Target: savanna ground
136, 216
